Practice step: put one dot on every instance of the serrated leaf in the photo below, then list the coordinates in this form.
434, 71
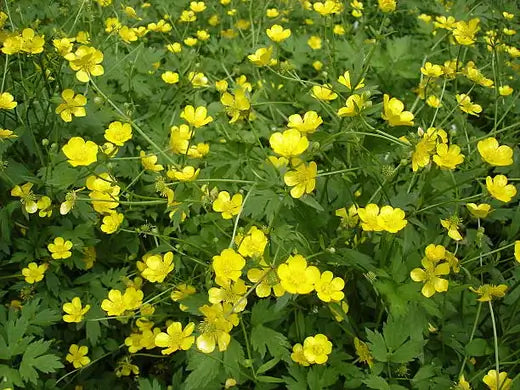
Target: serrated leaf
263, 312
34, 359
376, 382
204, 368
263, 339
232, 356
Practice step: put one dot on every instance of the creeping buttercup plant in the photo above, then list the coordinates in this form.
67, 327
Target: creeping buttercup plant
277, 194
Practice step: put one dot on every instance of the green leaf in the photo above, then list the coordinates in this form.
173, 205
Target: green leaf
232, 356
149, 384
310, 201
34, 358
93, 329
205, 368
267, 365
376, 382
269, 379
478, 347
377, 345
263, 312
263, 339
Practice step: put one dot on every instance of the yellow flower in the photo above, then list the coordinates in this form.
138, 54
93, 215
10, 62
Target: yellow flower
354, 105
394, 114
60, 249
27, 197
80, 152
228, 266
111, 223
45, 206
197, 79
78, 356
387, 5
117, 303
288, 144
118, 133
316, 349
298, 356
517, 250
344, 79
170, 77
74, 310
149, 162
237, 106
34, 273
308, 124
180, 138
182, 291
31, 42
214, 329
349, 218
230, 292
499, 189
338, 29
328, 7
63, 45
197, 117
369, 218
190, 41
464, 33
463, 384
302, 179
7, 101
262, 56
187, 16
175, 338
72, 105
272, 13
155, 267
363, 352
188, 173
479, 211
175, 47
160, 26
430, 276
253, 243
452, 225
314, 42
277, 33
86, 63
227, 205
505, 90
296, 277
497, 380
433, 101
448, 157
127, 34
221, 85
466, 105
487, 292
323, 92
7, 134
391, 219
431, 70
495, 154
329, 288
267, 280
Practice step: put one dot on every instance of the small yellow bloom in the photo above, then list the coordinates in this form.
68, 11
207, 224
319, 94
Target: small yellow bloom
111, 223
86, 62
497, 380
74, 310
277, 33
197, 117
344, 79
155, 267
464, 32
316, 349
466, 105
387, 5
34, 273
228, 266
308, 124
495, 154
118, 133
80, 152
170, 77
354, 105
448, 157
226, 205
262, 57
430, 276
7, 101
314, 42
60, 249
78, 356
452, 225
302, 179
73, 104
149, 162
431, 70
175, 338
323, 92
296, 277
479, 211
487, 292
288, 144
499, 189
329, 287
505, 90
394, 114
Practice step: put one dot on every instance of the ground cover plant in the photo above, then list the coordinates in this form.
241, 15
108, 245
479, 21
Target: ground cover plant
259, 194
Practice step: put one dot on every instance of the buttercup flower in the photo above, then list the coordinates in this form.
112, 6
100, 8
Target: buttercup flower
34, 273
495, 154
175, 338
60, 249
329, 287
487, 292
277, 33
80, 152
74, 310
7, 101
77, 356
480, 210
394, 114
73, 105
290, 143
316, 349
499, 189
197, 117
302, 179
448, 157
308, 124
497, 380
86, 63
226, 205
466, 105
228, 266
118, 133
430, 276
296, 277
